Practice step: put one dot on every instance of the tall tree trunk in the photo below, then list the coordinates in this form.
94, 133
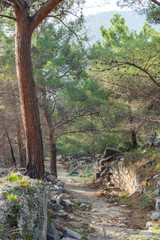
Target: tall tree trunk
22, 159
11, 148
53, 151
133, 132
134, 139
51, 134
29, 103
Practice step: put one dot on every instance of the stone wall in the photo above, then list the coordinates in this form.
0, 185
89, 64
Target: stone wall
124, 178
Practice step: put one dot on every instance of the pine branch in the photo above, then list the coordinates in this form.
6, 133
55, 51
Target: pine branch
5, 16
156, 2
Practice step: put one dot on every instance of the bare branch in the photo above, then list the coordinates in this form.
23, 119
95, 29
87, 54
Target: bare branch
156, 2
16, 2
5, 3
5, 16
42, 13
52, 16
118, 64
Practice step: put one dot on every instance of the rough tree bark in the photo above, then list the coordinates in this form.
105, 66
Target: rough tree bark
133, 132
22, 159
29, 105
25, 26
11, 148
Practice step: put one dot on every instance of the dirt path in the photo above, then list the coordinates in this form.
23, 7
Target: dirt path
106, 219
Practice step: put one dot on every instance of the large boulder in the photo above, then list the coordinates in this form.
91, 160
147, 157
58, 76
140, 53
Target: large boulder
68, 233
23, 207
109, 151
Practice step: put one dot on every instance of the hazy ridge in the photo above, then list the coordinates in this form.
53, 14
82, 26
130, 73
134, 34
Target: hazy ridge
93, 22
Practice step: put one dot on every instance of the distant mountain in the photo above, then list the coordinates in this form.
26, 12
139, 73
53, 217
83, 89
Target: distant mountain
93, 22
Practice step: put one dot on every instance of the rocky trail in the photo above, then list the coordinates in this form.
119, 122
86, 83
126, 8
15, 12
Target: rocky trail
104, 220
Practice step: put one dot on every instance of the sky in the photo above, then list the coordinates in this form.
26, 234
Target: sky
95, 6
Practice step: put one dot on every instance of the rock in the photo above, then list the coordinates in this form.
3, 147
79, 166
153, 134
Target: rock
60, 184
98, 180
85, 205
156, 142
104, 172
155, 215
82, 206
60, 234
52, 178
109, 151
4, 172
108, 184
26, 213
123, 218
57, 207
115, 193
120, 158
97, 175
158, 204
122, 225
149, 224
157, 192
49, 204
109, 166
145, 145
148, 179
148, 162
69, 238
60, 198
158, 184
154, 177
100, 169
104, 160
68, 233
67, 204
52, 232
123, 206
74, 172
61, 213
56, 188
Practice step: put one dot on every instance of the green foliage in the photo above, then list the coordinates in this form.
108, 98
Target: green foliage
14, 177
158, 166
147, 201
11, 197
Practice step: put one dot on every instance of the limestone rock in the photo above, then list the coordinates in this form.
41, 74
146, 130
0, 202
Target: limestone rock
57, 207
105, 160
68, 233
25, 208
154, 177
155, 215
149, 224
67, 204
61, 213
60, 198
157, 192
158, 184
115, 193
156, 142
52, 178
158, 204
52, 232
109, 151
